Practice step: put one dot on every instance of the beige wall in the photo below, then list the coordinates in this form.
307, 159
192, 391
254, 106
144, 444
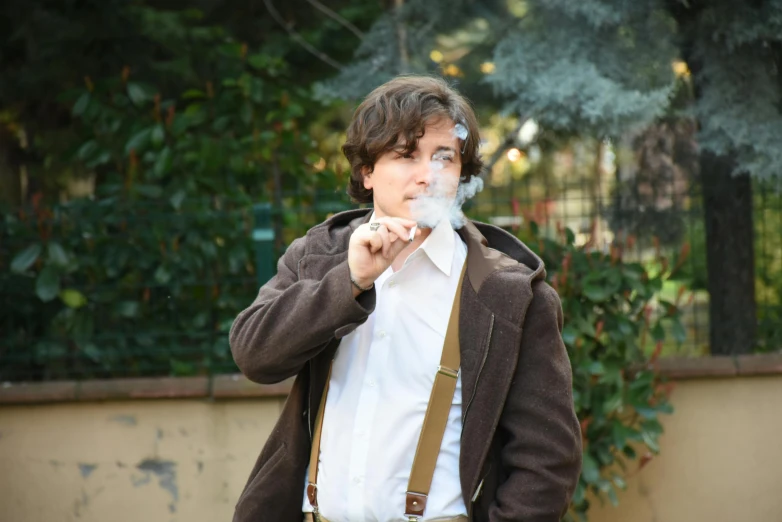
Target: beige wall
720, 458
139, 461
187, 460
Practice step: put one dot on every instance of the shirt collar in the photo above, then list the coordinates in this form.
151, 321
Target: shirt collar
438, 247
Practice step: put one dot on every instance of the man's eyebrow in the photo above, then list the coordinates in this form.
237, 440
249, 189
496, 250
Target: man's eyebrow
442, 148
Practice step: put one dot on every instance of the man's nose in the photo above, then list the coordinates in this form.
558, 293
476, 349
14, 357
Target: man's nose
423, 174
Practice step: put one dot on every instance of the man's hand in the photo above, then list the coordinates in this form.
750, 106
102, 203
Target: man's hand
370, 252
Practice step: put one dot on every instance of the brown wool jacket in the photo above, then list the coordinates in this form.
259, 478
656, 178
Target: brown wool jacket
521, 442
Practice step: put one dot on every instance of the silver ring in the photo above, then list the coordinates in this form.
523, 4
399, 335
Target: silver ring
374, 226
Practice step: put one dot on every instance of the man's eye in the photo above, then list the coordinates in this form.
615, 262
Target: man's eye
442, 157
404, 155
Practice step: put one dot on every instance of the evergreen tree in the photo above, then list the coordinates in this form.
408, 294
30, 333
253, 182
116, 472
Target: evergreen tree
603, 68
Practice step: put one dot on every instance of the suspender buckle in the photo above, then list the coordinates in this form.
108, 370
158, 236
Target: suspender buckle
312, 495
448, 372
415, 505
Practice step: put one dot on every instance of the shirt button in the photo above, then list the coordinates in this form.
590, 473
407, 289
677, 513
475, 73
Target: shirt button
357, 480
382, 334
372, 382
392, 284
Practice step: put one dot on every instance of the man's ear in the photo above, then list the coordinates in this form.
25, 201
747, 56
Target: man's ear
366, 173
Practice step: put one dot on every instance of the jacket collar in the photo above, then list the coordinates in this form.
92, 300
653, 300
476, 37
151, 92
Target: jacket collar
489, 248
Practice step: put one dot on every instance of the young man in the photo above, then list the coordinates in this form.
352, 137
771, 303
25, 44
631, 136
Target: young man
359, 312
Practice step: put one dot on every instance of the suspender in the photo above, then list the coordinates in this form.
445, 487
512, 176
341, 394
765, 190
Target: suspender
433, 428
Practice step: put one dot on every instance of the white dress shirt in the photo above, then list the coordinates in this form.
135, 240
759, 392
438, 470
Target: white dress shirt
379, 390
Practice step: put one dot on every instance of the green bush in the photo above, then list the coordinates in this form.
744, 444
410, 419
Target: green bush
611, 310
145, 276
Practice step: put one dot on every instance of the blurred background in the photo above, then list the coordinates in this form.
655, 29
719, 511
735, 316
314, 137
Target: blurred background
157, 157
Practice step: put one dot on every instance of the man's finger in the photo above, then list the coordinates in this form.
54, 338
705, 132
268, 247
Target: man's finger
396, 248
375, 242
382, 231
397, 228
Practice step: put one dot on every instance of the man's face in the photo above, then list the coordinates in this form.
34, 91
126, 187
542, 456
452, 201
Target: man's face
398, 178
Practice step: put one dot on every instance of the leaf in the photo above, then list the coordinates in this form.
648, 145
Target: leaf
589, 469
91, 351
81, 104
139, 141
193, 94
612, 496
678, 331
128, 309
162, 275
137, 94
597, 293
150, 191
613, 404
650, 440
658, 332
646, 412
73, 298
25, 259
57, 254
177, 199
569, 335
47, 284
158, 135
87, 150
596, 368
101, 159
163, 162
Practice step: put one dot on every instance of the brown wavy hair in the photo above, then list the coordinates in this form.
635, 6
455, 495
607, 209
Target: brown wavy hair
401, 108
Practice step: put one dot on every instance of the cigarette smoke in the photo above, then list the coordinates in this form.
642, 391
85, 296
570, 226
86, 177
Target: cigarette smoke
444, 198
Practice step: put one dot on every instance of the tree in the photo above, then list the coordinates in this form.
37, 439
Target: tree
181, 127
49, 48
604, 68
590, 65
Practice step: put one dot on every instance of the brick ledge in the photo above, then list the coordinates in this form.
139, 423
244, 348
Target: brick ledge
236, 386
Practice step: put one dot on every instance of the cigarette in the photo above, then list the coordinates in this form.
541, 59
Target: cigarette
412, 233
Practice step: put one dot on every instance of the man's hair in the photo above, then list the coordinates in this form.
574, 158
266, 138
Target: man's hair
399, 110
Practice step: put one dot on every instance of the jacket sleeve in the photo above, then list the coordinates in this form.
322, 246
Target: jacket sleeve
293, 319
542, 453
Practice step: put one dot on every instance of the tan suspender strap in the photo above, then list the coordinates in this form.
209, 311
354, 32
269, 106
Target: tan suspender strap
437, 411
312, 486
433, 429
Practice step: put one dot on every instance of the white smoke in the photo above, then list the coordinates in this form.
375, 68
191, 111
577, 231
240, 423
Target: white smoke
460, 131
444, 198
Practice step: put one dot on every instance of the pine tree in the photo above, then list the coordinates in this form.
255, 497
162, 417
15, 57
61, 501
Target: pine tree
604, 68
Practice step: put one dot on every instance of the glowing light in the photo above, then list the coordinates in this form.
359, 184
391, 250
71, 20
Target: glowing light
452, 70
487, 67
514, 155
436, 56
320, 164
680, 68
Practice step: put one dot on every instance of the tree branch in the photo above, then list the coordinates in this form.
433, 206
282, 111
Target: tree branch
401, 33
299, 39
509, 141
340, 20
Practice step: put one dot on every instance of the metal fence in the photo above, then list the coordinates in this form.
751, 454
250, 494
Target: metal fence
165, 307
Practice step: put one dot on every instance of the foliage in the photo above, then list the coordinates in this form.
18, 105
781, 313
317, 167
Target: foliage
53, 47
603, 68
612, 308
145, 277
